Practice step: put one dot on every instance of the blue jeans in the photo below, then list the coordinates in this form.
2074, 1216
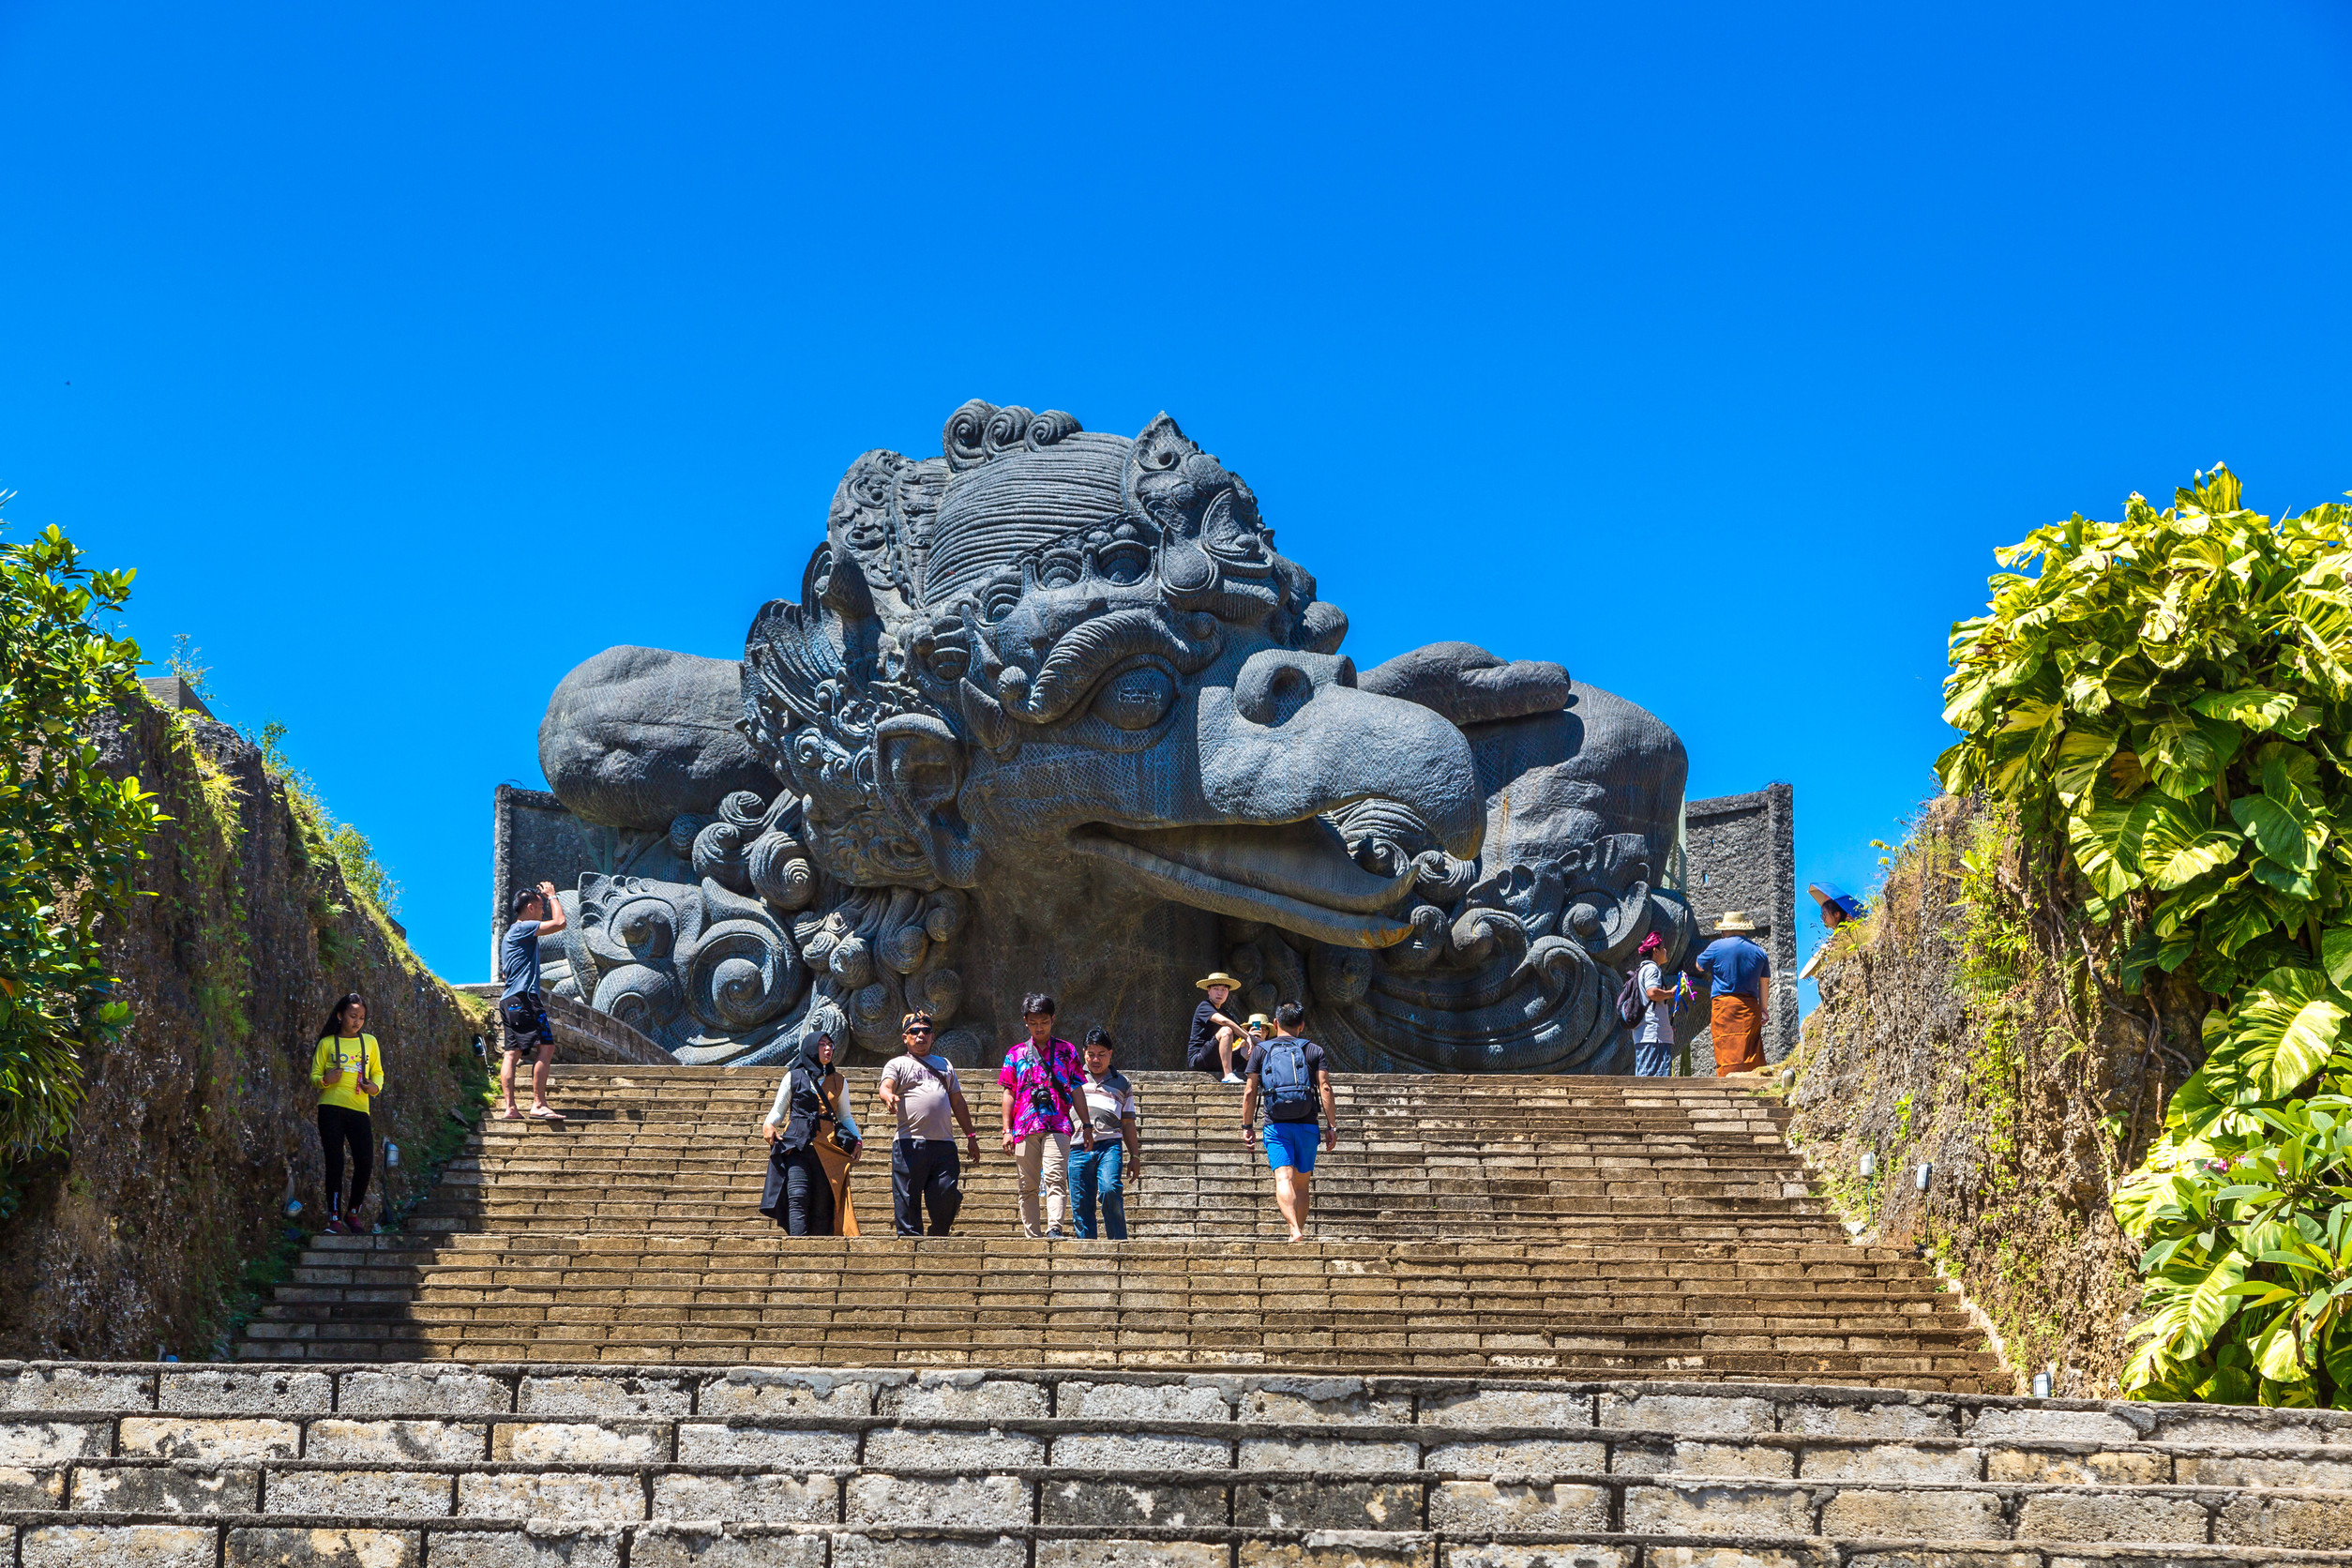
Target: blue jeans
1094, 1173
1654, 1059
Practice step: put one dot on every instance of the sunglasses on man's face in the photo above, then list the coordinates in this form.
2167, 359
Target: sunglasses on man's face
919, 1029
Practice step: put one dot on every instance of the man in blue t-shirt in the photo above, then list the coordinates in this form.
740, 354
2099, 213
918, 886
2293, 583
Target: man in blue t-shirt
1739, 970
538, 912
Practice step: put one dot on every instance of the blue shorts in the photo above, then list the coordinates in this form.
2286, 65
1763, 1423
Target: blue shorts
1293, 1143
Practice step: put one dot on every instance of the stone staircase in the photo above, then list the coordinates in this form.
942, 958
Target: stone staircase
1570, 1227
1545, 1323
617, 1466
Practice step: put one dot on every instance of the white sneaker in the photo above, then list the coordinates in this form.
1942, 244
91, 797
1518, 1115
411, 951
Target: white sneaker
1230, 1078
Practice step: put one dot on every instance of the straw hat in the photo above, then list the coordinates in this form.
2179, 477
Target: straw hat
1260, 1020
1219, 978
1733, 923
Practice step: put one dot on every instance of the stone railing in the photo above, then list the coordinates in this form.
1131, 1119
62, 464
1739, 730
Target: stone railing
585, 1034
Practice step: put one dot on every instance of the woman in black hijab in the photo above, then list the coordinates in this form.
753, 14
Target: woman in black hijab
799, 1196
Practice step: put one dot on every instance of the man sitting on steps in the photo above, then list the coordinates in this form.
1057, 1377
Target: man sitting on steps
921, 1090
1214, 1034
1290, 1070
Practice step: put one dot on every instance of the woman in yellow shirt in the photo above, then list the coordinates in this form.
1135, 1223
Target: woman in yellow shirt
349, 1070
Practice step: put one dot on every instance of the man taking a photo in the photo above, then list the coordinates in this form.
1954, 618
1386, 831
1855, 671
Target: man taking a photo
537, 914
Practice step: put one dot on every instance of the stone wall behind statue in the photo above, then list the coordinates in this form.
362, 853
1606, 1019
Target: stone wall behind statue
533, 840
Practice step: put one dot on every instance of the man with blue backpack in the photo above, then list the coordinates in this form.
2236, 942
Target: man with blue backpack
1288, 1071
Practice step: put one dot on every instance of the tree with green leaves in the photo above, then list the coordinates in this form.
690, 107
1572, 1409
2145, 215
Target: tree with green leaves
2169, 700
69, 835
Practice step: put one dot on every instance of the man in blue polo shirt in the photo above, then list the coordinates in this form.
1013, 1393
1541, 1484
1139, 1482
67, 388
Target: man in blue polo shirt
1739, 970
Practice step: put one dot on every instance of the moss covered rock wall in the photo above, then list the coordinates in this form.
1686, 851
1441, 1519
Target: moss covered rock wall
199, 1126
1966, 1025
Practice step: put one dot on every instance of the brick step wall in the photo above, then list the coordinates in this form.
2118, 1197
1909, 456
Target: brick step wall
650, 1467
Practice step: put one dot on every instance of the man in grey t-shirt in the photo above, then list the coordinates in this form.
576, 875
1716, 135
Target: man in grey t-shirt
921, 1091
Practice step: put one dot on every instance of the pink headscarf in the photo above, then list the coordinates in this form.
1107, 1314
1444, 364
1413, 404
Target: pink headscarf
1650, 944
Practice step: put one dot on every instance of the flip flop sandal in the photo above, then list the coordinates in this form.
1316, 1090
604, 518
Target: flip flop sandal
508, 1116
545, 1113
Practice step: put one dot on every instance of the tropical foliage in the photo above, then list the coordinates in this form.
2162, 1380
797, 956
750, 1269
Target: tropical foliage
68, 833
2169, 699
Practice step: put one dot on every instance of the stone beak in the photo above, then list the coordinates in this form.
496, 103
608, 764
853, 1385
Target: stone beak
1289, 740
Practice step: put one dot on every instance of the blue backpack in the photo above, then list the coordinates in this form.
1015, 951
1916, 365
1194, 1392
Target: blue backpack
1289, 1087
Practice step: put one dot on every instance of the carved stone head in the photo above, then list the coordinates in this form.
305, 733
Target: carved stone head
1047, 642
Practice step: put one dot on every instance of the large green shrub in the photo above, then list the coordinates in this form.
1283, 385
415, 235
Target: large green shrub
2169, 700
68, 834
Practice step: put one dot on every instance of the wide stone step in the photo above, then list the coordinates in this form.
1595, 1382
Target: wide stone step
602, 1257
927, 1480
465, 1343
392, 1541
96, 1397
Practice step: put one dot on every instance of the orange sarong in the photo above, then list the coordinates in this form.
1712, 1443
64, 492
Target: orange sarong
836, 1162
837, 1165
1737, 1026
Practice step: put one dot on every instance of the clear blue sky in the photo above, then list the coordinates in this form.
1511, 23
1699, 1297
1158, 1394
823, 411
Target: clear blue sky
414, 353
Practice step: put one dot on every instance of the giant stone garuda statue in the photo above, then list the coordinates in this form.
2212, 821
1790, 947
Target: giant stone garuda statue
1050, 712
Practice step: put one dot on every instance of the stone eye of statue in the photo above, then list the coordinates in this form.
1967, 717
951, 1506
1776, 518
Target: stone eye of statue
1136, 699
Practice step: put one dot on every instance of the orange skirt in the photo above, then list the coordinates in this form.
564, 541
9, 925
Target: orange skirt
1737, 1025
837, 1165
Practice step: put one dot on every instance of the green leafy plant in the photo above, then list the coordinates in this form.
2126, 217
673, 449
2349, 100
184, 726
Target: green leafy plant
2169, 697
2250, 1258
69, 834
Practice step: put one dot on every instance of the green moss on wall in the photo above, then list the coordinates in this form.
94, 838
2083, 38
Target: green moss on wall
154, 1226
1967, 1024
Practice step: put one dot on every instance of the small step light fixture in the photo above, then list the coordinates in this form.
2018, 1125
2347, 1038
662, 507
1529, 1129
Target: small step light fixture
1869, 1165
294, 1207
2041, 1385
392, 1160
1926, 1168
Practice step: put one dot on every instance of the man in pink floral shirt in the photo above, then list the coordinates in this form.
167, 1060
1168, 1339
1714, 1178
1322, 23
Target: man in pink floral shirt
1042, 1077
